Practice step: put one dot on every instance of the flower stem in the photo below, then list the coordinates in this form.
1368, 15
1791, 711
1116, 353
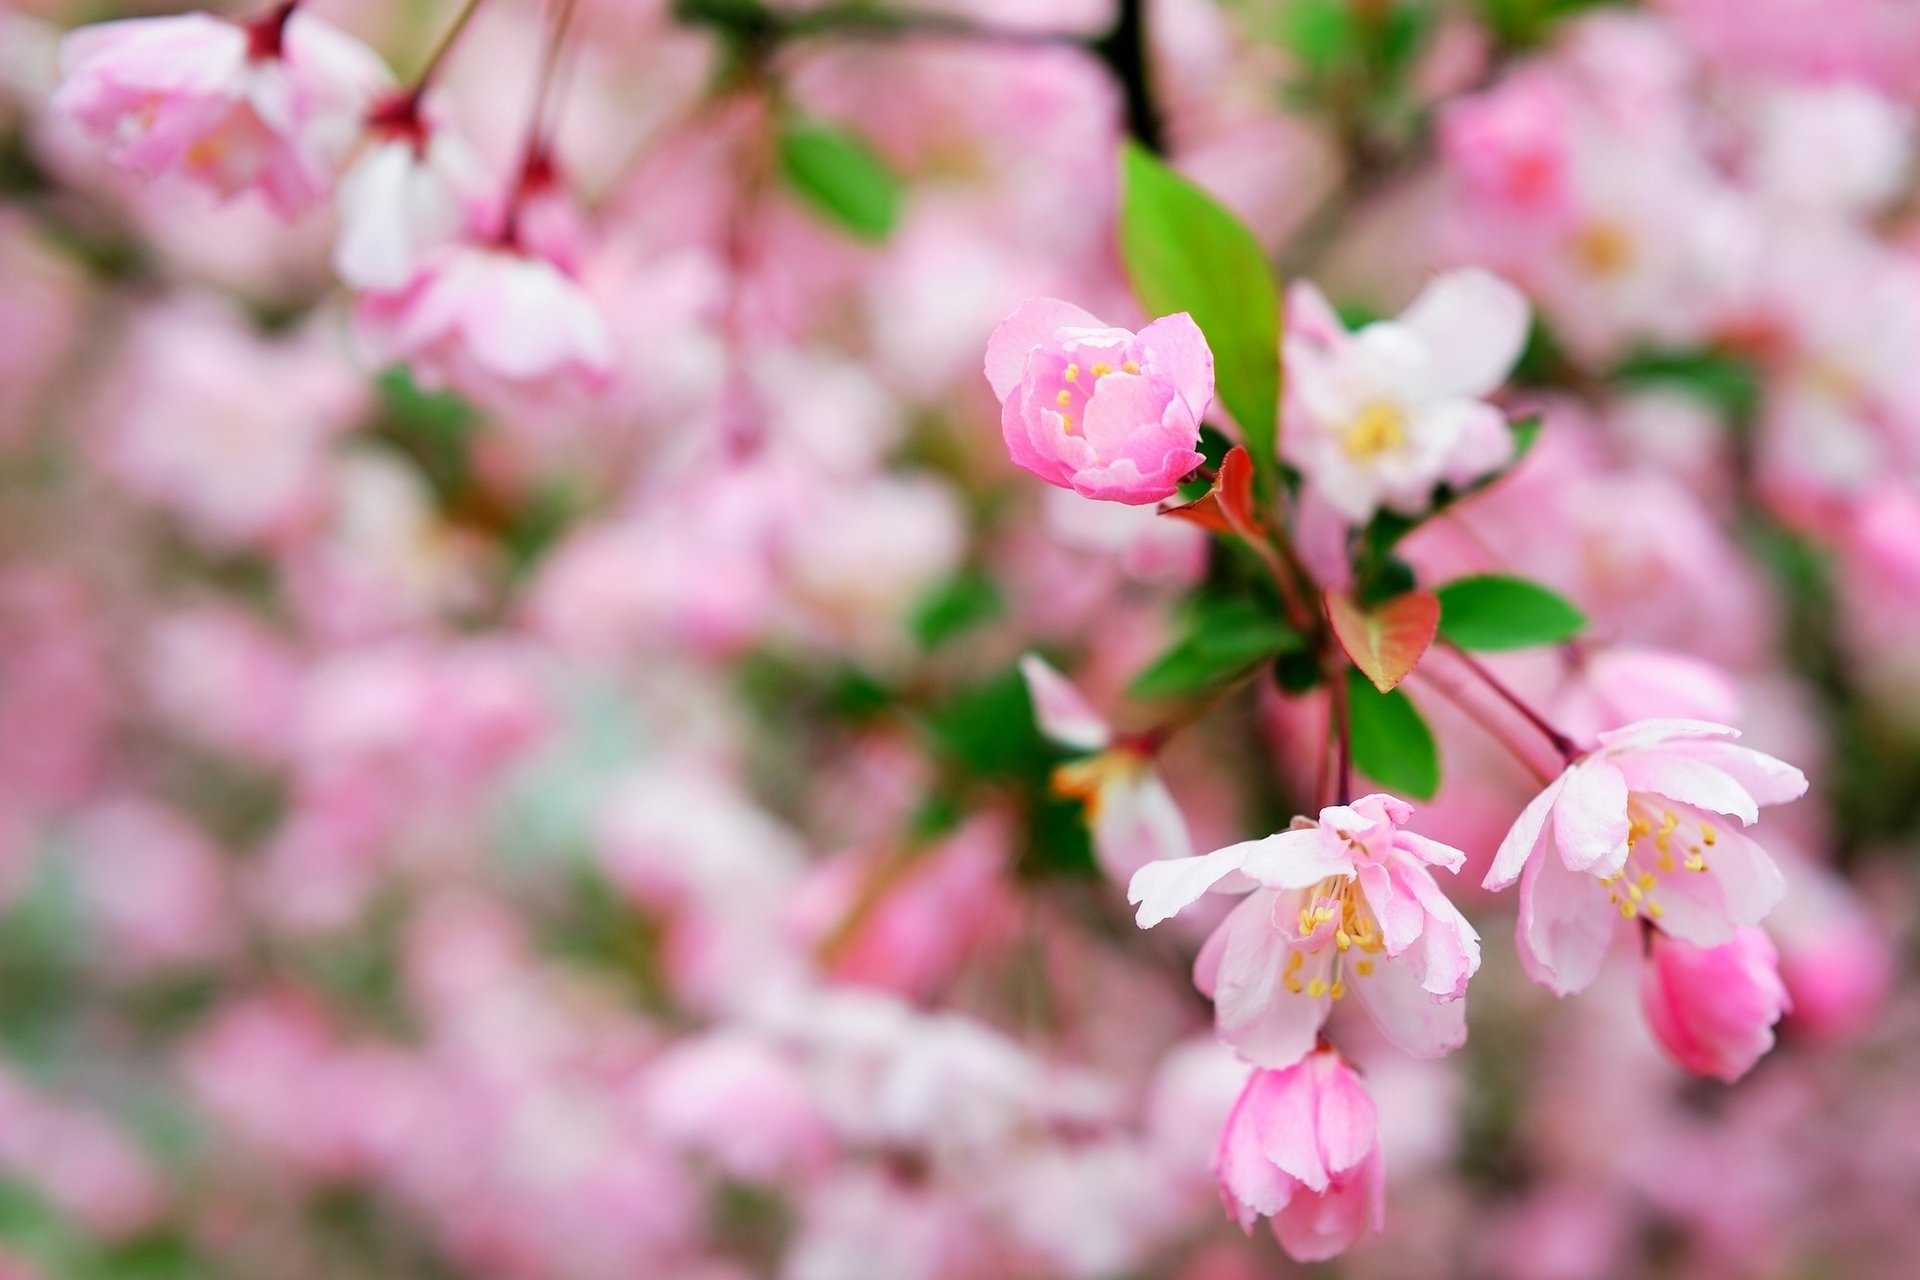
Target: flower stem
1561, 742
431, 67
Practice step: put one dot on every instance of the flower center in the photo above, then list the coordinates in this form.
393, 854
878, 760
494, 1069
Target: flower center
1678, 845
1087, 780
1076, 393
1333, 912
1605, 250
1379, 428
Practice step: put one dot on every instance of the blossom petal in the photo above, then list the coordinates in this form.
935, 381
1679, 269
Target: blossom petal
1062, 713
1139, 822
1181, 352
1523, 838
1164, 889
1254, 1012
1032, 324
1416, 1021
1566, 925
1590, 818
1768, 780
1686, 780
1475, 324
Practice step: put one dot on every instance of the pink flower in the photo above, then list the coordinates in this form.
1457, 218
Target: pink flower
1380, 417
1133, 817
1346, 899
273, 106
1109, 413
478, 315
1634, 835
1509, 148
1713, 1008
1301, 1147
406, 196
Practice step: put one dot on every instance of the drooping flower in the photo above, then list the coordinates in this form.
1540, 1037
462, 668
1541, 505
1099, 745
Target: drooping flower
1380, 417
1346, 903
479, 315
1132, 815
273, 106
1109, 413
406, 195
1632, 831
1301, 1147
1713, 1008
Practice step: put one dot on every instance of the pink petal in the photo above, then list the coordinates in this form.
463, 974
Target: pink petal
1407, 1014
1138, 823
1686, 780
1475, 325
1565, 927
1253, 1010
1063, 714
1032, 324
1523, 838
1180, 352
1590, 818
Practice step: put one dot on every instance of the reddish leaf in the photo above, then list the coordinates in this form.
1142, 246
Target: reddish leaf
1227, 508
1204, 512
1234, 490
1385, 642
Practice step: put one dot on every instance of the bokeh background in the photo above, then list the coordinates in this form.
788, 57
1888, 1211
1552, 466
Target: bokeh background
467, 829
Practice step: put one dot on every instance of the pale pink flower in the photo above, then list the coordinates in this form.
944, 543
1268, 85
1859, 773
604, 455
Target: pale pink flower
1106, 412
1302, 1148
1345, 903
498, 310
1133, 818
1713, 1008
1510, 149
406, 195
1632, 831
1381, 417
273, 106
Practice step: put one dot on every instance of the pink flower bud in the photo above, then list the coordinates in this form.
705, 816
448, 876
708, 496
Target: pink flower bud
1109, 413
1302, 1147
1713, 1008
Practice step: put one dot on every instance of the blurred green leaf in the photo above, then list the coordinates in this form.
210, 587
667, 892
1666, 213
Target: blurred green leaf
1727, 383
963, 602
1185, 252
1225, 639
841, 177
1391, 741
1495, 611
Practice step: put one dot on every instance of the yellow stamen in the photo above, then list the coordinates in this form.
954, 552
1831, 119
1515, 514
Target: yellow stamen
1073, 373
1316, 988
1338, 989
1102, 369
1707, 834
1605, 250
1065, 398
1363, 967
1342, 939
1379, 428
1131, 366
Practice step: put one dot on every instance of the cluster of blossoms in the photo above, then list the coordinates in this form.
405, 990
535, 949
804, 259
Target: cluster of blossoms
1639, 827
545, 735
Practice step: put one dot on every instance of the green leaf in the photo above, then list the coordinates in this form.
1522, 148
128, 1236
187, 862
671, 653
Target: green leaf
1729, 384
840, 177
1184, 252
1226, 639
954, 607
1493, 611
1391, 741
